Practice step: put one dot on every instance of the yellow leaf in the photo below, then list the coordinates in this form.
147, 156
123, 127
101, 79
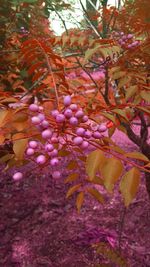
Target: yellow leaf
132, 90
72, 190
129, 185
145, 95
109, 116
124, 81
96, 194
72, 177
6, 158
63, 153
19, 147
79, 201
136, 155
111, 172
120, 112
94, 160
2, 138
4, 114
72, 165
118, 75
96, 180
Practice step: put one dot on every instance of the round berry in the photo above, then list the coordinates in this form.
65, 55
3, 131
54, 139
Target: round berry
46, 134
35, 120
33, 107
54, 153
67, 100
79, 114
129, 36
73, 107
54, 140
17, 176
68, 113
87, 134
54, 161
56, 174
80, 131
97, 135
45, 124
41, 159
102, 128
41, 108
49, 147
41, 116
73, 121
78, 140
54, 113
60, 118
33, 144
85, 118
30, 151
84, 144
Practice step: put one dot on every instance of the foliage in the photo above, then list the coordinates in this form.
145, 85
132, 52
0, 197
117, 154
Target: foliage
103, 69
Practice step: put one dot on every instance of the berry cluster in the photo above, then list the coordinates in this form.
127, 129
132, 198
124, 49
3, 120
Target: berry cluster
126, 40
70, 127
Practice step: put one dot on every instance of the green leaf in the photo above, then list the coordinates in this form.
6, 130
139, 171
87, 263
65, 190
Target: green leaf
72, 190
129, 185
96, 194
94, 160
111, 172
79, 201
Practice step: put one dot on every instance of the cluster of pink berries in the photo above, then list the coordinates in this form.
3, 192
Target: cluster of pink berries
70, 125
126, 40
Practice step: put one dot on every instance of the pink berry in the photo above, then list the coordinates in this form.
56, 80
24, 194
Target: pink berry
33, 144
49, 147
17, 176
87, 134
60, 118
68, 113
67, 100
41, 116
80, 131
30, 151
129, 46
56, 174
54, 161
73, 107
84, 144
54, 153
33, 107
54, 113
46, 134
85, 118
41, 108
135, 43
45, 124
129, 36
78, 140
102, 128
41, 159
35, 120
54, 140
79, 114
97, 135
73, 121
